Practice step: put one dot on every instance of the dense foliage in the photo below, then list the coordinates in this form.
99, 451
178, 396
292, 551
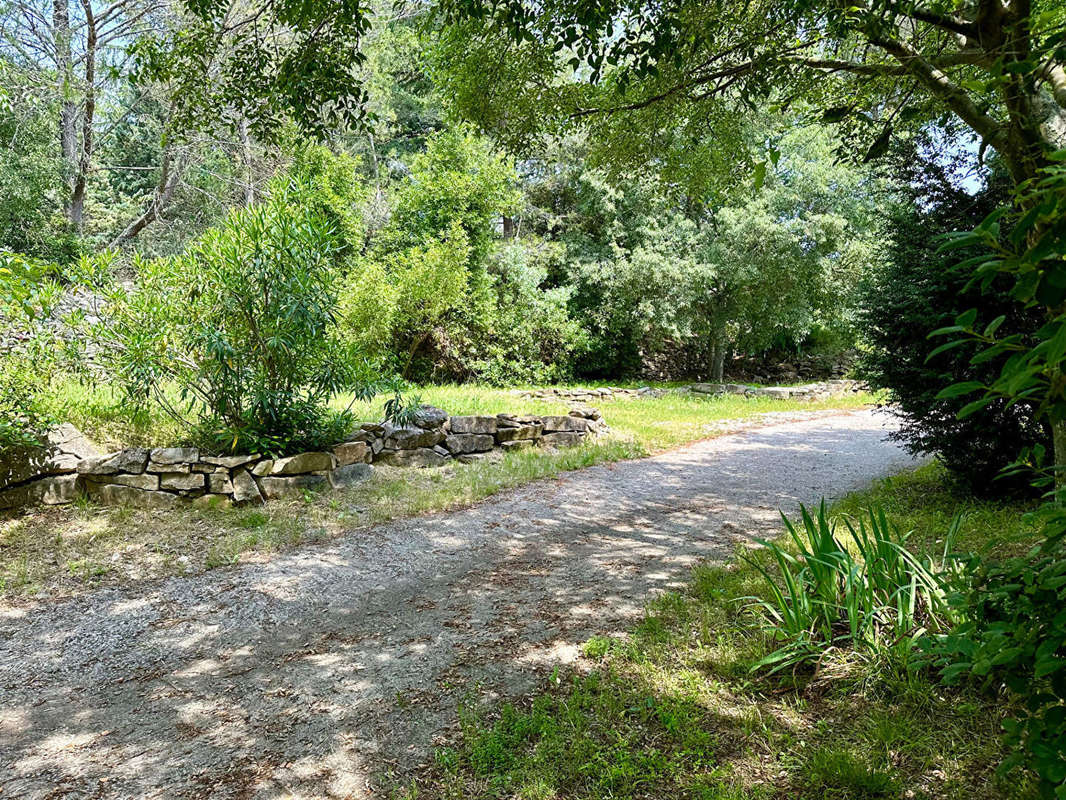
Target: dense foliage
241, 325
29, 352
1013, 637
917, 288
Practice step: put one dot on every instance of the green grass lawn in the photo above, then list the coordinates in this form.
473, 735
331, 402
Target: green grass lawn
650, 423
671, 709
71, 549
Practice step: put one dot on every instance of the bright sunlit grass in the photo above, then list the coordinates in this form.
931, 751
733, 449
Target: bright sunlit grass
69, 549
651, 423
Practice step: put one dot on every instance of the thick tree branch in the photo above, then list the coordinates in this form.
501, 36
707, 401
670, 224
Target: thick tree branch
169, 177
1055, 75
942, 87
948, 23
856, 67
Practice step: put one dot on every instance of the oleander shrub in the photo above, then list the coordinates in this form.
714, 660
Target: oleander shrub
29, 349
236, 336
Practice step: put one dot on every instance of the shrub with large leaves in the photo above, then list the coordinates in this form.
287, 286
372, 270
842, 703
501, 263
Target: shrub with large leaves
239, 330
1014, 637
28, 349
1017, 634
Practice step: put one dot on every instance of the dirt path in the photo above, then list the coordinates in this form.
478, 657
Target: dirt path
304, 676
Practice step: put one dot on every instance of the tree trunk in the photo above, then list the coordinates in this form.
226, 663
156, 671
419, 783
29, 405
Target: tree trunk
81, 176
718, 348
169, 177
64, 81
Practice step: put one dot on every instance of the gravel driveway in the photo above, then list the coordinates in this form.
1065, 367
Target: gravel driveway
305, 676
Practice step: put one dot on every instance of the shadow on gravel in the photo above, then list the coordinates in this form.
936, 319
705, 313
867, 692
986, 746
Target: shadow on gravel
303, 676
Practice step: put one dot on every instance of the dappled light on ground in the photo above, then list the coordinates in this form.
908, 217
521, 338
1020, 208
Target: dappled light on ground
316, 671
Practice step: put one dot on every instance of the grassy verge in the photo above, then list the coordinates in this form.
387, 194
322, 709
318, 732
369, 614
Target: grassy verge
653, 423
672, 710
66, 550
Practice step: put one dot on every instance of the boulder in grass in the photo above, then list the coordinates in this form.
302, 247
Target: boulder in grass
419, 457
429, 417
219, 483
411, 438
517, 444
53, 490
229, 462
707, 388
302, 464
462, 443
350, 475
175, 455
586, 412
60, 451
776, 392
562, 439
525, 431
291, 486
112, 494
168, 468
351, 453
263, 467
182, 481
567, 423
144, 481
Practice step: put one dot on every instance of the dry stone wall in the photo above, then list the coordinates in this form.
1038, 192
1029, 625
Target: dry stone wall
823, 390
67, 465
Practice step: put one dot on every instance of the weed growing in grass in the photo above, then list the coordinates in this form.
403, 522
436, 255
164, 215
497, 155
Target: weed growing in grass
257, 531
834, 773
252, 519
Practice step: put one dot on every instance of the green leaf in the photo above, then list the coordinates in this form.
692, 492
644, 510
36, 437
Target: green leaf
972, 408
960, 389
880, 145
759, 175
993, 326
945, 347
835, 114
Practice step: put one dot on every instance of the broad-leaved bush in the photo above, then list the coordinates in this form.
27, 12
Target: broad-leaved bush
242, 324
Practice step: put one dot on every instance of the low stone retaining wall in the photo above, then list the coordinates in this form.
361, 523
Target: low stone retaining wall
583, 395
823, 390
67, 465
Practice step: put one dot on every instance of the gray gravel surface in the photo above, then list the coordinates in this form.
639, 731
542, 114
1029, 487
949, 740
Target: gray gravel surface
311, 674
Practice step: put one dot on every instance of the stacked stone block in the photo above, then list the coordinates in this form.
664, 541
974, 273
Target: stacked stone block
163, 477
